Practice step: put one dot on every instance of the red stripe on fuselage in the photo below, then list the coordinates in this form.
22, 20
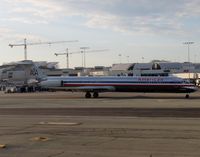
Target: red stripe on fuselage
109, 84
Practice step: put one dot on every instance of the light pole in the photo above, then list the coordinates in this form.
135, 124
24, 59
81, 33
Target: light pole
120, 58
127, 59
188, 43
142, 59
83, 56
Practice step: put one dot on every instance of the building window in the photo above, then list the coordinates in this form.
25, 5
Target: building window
10, 75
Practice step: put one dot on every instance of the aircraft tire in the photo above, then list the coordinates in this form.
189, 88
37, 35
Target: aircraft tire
187, 96
88, 95
95, 94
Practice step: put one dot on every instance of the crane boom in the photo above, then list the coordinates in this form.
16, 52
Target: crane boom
67, 53
25, 44
88, 51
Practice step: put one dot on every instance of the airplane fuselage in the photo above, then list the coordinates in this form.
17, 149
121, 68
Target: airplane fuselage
121, 84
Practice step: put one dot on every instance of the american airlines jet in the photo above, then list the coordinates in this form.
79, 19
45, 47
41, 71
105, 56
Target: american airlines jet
96, 85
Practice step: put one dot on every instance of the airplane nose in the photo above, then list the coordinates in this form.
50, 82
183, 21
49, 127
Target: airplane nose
196, 88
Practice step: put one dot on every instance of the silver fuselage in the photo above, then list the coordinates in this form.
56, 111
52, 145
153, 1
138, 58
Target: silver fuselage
169, 84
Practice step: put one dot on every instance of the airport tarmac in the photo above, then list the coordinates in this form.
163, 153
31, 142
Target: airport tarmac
116, 124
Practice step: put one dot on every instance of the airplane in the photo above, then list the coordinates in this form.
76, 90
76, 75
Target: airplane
96, 85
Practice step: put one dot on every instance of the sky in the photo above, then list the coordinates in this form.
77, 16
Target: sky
130, 30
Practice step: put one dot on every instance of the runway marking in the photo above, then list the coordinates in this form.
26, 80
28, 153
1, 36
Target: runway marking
2, 146
127, 112
60, 123
43, 139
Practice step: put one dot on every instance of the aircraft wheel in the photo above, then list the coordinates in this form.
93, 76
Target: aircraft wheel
187, 96
96, 95
87, 95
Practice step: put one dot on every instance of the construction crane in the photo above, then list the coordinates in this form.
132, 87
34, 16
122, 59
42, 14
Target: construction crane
89, 51
25, 44
67, 56
67, 53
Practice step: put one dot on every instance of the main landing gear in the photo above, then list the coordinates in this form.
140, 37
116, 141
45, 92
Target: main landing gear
95, 94
88, 95
187, 96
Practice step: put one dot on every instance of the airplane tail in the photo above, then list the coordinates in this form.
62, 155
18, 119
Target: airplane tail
37, 73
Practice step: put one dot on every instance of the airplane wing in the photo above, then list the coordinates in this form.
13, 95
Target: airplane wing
86, 88
91, 88
95, 88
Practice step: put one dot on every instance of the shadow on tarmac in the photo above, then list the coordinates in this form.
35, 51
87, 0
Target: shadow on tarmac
150, 97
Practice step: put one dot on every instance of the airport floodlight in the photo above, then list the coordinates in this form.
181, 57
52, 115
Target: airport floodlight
127, 58
84, 51
84, 48
188, 43
67, 53
120, 58
83, 55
